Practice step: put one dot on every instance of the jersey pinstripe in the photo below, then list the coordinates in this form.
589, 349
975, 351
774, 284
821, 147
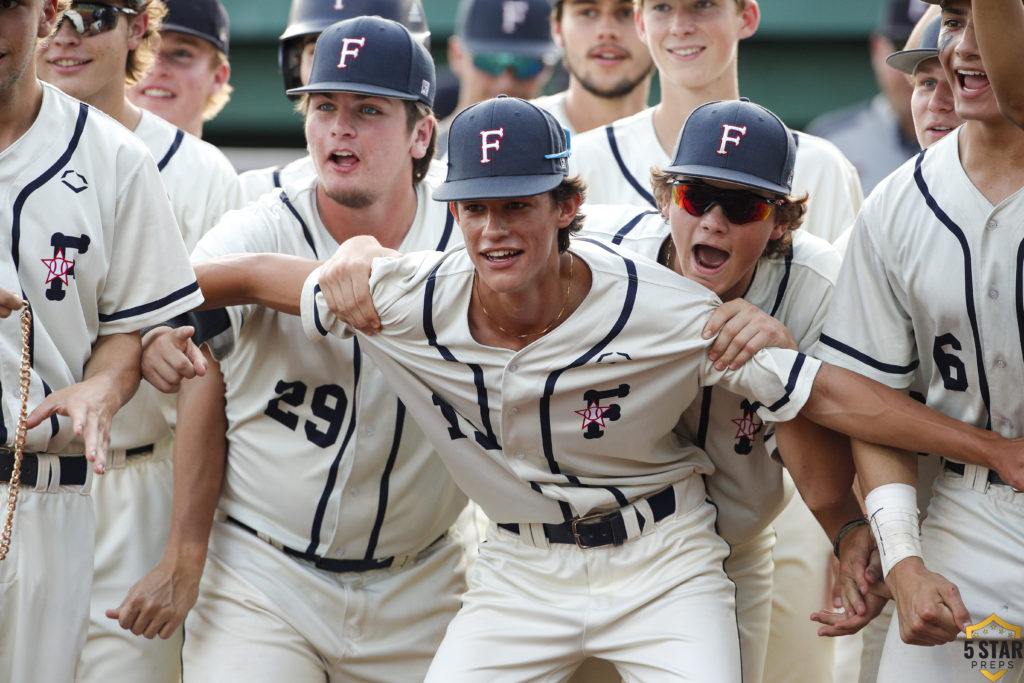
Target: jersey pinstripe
259, 181
795, 289
616, 162
358, 468
89, 269
578, 421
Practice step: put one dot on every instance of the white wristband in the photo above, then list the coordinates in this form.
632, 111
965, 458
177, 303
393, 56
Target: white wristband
892, 511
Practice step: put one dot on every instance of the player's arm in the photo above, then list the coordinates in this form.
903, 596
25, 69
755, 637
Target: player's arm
110, 378
998, 25
821, 464
271, 280
867, 410
929, 607
158, 603
742, 330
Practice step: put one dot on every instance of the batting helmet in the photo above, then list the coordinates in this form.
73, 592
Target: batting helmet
312, 17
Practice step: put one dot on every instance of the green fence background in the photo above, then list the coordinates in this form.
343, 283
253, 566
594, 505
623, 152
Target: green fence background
808, 57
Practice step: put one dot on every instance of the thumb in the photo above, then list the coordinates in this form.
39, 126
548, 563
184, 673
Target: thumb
183, 334
113, 613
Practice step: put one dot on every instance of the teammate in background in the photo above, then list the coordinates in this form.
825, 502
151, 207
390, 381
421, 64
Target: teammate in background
345, 569
878, 135
187, 83
79, 270
999, 24
694, 46
499, 48
537, 606
609, 66
932, 266
306, 20
96, 53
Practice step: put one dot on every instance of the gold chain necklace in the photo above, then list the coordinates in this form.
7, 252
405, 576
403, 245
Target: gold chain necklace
24, 381
554, 321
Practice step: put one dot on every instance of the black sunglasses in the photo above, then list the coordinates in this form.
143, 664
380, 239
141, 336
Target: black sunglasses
90, 19
739, 206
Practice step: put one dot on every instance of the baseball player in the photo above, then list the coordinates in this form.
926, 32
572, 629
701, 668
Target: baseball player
306, 20
187, 83
940, 319
609, 66
783, 271
95, 53
72, 181
616, 159
526, 359
345, 569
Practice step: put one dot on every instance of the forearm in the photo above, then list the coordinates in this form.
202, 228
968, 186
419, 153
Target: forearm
114, 365
821, 464
864, 409
271, 280
200, 454
999, 24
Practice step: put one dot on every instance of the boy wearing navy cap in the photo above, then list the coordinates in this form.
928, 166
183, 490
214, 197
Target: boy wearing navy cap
187, 83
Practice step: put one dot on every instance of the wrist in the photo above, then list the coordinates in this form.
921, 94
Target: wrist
846, 529
892, 511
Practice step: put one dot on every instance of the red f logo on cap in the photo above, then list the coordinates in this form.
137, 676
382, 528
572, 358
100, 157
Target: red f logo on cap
490, 140
733, 134
350, 48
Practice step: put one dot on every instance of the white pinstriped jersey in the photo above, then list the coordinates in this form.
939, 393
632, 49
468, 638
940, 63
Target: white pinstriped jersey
322, 456
555, 105
616, 162
581, 419
202, 185
930, 288
795, 289
92, 245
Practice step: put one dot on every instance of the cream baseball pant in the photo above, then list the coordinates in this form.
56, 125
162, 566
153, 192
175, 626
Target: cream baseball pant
974, 536
659, 606
264, 616
44, 581
132, 503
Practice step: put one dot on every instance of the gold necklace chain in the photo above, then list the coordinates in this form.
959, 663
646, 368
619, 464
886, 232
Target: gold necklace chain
24, 381
554, 321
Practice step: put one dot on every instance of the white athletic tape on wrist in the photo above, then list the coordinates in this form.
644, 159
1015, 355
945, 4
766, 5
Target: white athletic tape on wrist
892, 510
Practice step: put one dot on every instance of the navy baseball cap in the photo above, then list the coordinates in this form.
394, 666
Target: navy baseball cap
371, 56
206, 19
907, 61
898, 18
516, 27
309, 17
504, 147
736, 141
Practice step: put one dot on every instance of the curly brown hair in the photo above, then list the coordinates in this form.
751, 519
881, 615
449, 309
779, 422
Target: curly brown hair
790, 213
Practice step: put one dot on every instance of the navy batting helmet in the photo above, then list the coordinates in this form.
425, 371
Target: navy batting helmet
312, 17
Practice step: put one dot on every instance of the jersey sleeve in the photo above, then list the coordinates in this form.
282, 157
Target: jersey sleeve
868, 327
151, 278
779, 381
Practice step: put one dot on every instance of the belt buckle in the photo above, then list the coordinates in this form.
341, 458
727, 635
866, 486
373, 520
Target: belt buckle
573, 524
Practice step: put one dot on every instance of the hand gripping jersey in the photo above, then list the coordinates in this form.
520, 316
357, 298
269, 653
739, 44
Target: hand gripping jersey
362, 480
580, 420
929, 291
616, 162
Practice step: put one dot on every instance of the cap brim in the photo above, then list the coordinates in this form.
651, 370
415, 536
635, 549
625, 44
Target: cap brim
539, 49
360, 88
907, 61
192, 32
727, 176
497, 187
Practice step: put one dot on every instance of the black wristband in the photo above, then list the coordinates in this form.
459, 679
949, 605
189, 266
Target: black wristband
847, 528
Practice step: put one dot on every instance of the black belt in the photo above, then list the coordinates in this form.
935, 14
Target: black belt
73, 468
139, 450
326, 563
958, 468
603, 529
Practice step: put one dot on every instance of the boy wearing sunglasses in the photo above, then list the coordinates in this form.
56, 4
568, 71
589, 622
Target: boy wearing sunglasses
732, 226
97, 51
75, 184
